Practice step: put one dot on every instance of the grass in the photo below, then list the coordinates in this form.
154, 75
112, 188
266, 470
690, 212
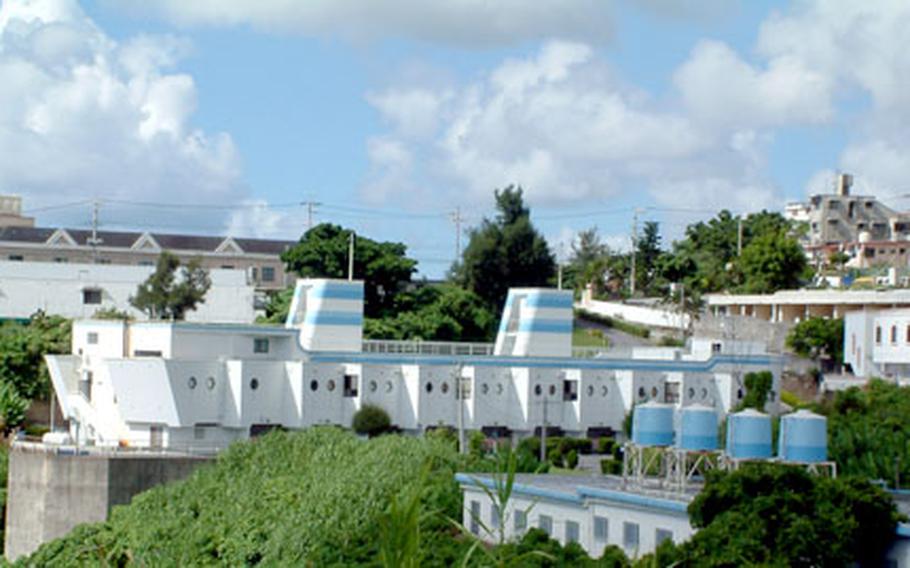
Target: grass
615, 323
586, 337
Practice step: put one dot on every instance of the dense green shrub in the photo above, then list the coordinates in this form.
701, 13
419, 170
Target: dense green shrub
605, 445
571, 459
316, 497
371, 420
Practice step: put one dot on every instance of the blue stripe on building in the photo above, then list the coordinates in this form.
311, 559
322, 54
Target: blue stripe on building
545, 326
333, 318
338, 291
549, 300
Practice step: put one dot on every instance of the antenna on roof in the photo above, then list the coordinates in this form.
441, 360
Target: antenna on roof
94, 241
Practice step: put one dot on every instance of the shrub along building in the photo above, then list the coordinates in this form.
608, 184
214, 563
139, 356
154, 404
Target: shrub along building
192, 386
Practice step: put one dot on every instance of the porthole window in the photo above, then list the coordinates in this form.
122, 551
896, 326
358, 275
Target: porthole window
604, 390
590, 390
373, 386
704, 394
210, 382
641, 392
191, 383
429, 388
330, 385
691, 392
552, 390
444, 387
498, 388
653, 392
538, 390
314, 385
254, 383
485, 388
388, 386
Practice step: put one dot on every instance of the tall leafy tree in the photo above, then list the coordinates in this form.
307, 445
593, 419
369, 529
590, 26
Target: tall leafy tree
505, 252
22, 350
771, 262
816, 337
383, 266
165, 296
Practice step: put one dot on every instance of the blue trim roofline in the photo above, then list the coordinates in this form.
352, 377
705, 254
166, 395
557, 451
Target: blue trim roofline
634, 499
337, 291
658, 365
521, 488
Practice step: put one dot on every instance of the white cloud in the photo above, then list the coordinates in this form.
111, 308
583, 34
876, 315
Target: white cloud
83, 115
471, 23
256, 219
561, 125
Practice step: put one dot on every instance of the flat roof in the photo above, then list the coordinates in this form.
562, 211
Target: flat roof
574, 489
800, 297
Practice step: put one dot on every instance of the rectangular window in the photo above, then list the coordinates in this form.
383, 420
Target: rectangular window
104, 261
268, 274
156, 436
572, 532
878, 335
521, 520
92, 338
893, 334
254, 274
475, 517
661, 535
145, 263
61, 259
16, 257
570, 390
601, 529
227, 266
545, 523
91, 296
716, 347
350, 386
494, 516
146, 353
630, 535
260, 345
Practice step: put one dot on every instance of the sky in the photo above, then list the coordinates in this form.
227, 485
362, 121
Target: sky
227, 116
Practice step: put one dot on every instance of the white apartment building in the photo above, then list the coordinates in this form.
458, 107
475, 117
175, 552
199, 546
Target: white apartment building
877, 343
597, 511
77, 291
185, 385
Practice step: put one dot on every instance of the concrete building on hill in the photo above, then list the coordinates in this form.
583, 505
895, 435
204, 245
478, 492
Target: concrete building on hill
21, 241
199, 387
78, 291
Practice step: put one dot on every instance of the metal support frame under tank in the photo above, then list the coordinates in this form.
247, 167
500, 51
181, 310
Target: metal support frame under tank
644, 466
824, 468
684, 465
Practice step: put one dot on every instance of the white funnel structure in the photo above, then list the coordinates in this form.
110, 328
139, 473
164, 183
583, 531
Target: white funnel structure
536, 322
328, 313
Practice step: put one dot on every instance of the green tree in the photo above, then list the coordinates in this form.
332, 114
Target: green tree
277, 306
12, 408
772, 262
164, 296
816, 337
383, 266
768, 514
758, 385
22, 350
505, 252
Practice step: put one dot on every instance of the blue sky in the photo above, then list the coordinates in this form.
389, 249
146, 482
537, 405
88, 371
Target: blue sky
393, 117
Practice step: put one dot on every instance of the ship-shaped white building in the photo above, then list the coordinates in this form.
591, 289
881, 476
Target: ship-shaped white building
187, 386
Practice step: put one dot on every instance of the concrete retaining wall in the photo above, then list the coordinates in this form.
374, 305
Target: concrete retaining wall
50, 492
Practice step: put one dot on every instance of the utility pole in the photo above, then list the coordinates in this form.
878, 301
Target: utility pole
458, 219
310, 209
682, 310
739, 235
559, 259
459, 399
351, 257
94, 241
543, 432
634, 250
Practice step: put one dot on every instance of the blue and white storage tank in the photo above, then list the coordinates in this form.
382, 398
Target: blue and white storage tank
803, 437
697, 428
749, 435
652, 424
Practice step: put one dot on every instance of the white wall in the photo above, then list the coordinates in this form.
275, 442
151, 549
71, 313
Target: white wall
653, 317
57, 288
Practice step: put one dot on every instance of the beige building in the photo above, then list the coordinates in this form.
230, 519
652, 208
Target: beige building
21, 241
792, 306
